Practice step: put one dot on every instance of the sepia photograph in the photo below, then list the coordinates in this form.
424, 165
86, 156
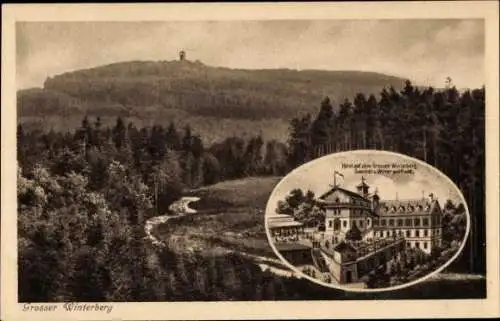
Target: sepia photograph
247, 158
375, 227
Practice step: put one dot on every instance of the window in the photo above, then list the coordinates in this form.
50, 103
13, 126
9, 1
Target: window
375, 222
425, 222
425, 245
408, 244
360, 223
408, 222
400, 222
344, 223
330, 223
391, 222
336, 224
368, 223
417, 233
417, 245
408, 234
383, 223
337, 200
416, 222
426, 233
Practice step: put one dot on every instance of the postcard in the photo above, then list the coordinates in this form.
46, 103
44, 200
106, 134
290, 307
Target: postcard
250, 161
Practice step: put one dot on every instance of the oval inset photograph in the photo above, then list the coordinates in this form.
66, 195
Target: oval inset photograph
367, 220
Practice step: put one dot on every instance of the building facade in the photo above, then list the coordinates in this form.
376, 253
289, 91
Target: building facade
287, 234
345, 209
284, 229
416, 220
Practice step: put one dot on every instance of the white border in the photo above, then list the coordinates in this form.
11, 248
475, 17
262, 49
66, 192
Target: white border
488, 10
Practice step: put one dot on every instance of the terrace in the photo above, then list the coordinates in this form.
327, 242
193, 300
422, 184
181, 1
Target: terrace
362, 249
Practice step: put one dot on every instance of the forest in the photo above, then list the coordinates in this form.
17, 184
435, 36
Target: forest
83, 195
444, 128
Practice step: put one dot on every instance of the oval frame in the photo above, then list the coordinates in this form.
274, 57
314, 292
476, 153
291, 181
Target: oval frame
373, 290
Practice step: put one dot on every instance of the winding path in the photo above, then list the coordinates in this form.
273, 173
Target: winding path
181, 208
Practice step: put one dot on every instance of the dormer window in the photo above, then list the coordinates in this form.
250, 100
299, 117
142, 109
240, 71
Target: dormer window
420, 208
337, 200
410, 209
402, 208
393, 209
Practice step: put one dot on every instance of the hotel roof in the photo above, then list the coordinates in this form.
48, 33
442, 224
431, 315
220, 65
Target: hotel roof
409, 206
272, 224
282, 220
348, 192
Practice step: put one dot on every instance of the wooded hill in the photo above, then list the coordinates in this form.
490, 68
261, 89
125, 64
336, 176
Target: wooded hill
214, 100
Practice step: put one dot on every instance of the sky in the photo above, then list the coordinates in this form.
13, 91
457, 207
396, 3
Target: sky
317, 176
424, 51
